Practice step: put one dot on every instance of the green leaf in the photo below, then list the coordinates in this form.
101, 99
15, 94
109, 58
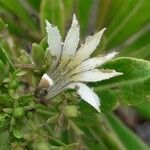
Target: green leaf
5, 57
128, 138
17, 131
38, 55
17, 9
53, 11
25, 99
3, 117
2, 67
2, 25
126, 23
129, 89
13, 94
44, 44
25, 58
45, 110
5, 100
20, 73
125, 32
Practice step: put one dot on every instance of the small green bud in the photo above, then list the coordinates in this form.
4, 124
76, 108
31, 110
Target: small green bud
38, 55
18, 112
71, 111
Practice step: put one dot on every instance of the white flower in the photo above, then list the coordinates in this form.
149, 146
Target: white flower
72, 67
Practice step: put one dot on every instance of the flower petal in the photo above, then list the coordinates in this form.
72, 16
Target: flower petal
87, 94
88, 47
54, 40
94, 62
95, 75
72, 40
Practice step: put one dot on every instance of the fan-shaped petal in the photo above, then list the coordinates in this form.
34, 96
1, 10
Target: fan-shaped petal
87, 94
54, 40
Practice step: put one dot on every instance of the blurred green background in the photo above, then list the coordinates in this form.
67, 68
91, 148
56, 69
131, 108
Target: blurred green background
128, 31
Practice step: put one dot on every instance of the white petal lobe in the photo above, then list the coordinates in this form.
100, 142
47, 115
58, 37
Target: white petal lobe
89, 46
95, 75
54, 40
87, 94
94, 62
72, 40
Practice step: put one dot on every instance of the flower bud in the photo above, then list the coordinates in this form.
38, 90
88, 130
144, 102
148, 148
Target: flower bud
18, 112
71, 111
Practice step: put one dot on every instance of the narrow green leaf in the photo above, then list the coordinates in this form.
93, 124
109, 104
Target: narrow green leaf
128, 138
2, 25
38, 55
44, 44
2, 67
21, 73
17, 132
5, 53
126, 22
18, 10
